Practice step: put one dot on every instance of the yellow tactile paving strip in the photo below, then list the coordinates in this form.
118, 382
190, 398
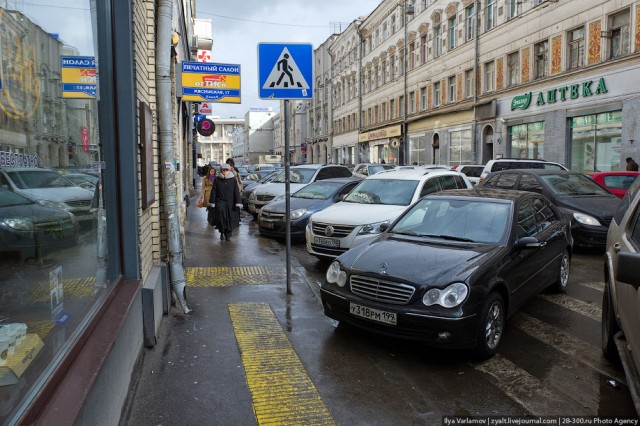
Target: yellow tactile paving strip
282, 392
75, 288
223, 276
41, 328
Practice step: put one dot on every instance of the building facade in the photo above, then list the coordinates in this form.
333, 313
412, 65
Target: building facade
444, 82
219, 146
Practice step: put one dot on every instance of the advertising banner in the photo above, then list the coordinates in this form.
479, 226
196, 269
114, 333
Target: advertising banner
78, 77
210, 82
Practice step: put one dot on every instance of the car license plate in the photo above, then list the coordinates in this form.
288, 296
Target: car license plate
331, 242
373, 314
267, 225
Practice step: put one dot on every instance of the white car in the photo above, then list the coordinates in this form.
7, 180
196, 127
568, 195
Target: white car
299, 176
363, 170
48, 188
377, 200
472, 171
518, 163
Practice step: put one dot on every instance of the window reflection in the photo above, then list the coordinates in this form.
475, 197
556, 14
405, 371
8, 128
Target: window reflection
52, 228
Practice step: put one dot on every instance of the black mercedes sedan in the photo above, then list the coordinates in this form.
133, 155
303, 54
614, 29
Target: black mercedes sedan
588, 205
452, 268
303, 203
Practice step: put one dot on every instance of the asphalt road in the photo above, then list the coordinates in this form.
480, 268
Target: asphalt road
252, 354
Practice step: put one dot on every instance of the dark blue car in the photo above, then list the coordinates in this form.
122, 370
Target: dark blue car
306, 201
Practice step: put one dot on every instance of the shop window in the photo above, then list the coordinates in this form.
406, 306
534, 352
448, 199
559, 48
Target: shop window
460, 148
527, 140
56, 267
418, 150
596, 142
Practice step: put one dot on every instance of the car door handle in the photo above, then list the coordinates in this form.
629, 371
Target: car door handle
616, 247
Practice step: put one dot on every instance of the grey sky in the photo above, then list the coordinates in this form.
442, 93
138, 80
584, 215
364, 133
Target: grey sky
235, 41
238, 27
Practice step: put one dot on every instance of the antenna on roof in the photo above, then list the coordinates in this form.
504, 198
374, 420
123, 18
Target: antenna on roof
337, 27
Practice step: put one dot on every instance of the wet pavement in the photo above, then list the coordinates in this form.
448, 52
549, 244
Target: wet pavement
250, 354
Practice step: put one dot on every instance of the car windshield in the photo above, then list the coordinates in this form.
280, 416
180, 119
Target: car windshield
472, 220
296, 176
320, 190
32, 179
383, 191
10, 199
574, 185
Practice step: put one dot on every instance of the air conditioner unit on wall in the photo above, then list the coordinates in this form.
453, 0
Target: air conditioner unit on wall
193, 46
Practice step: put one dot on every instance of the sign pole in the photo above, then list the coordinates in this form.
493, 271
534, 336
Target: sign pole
287, 187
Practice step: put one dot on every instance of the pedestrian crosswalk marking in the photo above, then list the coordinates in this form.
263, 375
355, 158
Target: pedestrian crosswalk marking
590, 310
280, 387
285, 74
535, 396
565, 343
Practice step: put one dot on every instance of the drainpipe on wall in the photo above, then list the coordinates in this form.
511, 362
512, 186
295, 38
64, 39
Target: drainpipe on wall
478, 151
165, 126
360, 55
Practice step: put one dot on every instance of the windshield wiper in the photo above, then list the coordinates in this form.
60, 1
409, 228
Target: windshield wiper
449, 237
406, 232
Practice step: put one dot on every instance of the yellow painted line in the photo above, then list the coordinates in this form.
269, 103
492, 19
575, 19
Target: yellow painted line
223, 276
282, 392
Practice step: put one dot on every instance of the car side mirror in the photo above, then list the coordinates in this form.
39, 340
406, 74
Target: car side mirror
627, 269
525, 243
384, 226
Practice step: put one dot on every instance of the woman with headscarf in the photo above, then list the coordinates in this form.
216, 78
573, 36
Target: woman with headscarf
208, 183
227, 202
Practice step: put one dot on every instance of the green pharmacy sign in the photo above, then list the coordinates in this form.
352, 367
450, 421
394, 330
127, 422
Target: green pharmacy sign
521, 102
583, 89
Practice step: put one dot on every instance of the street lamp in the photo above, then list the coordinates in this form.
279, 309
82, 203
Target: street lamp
407, 9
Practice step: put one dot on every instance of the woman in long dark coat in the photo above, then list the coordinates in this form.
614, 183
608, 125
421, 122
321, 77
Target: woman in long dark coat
227, 202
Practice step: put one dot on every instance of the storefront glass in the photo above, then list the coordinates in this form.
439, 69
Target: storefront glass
53, 237
596, 142
460, 148
418, 150
527, 140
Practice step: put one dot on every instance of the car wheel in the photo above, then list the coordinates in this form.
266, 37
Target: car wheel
609, 327
491, 327
563, 273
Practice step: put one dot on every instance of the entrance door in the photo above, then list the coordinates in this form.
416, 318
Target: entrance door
487, 138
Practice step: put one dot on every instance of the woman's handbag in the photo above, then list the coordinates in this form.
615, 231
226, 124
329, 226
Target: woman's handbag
211, 215
200, 203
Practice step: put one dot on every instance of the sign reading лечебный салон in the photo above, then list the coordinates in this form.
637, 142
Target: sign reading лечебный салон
573, 91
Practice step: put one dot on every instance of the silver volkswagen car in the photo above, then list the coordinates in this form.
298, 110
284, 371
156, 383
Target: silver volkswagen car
621, 299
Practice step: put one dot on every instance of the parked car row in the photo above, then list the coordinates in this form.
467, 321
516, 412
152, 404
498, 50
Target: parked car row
420, 253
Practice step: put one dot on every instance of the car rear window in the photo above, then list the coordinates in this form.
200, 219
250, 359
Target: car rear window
472, 171
618, 182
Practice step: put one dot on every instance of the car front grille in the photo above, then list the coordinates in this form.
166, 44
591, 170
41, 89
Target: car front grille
272, 215
607, 221
85, 204
339, 231
381, 290
328, 251
265, 197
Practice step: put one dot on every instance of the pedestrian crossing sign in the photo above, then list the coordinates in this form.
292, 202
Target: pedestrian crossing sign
285, 71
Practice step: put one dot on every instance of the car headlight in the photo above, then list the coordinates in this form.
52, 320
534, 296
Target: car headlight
585, 219
450, 297
372, 228
298, 213
52, 204
335, 275
18, 224
252, 196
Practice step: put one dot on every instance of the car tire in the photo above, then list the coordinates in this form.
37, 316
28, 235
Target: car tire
491, 326
609, 328
560, 285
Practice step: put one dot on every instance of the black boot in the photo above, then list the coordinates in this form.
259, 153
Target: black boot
227, 236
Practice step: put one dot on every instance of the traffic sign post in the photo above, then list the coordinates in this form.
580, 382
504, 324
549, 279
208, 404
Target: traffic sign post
285, 71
